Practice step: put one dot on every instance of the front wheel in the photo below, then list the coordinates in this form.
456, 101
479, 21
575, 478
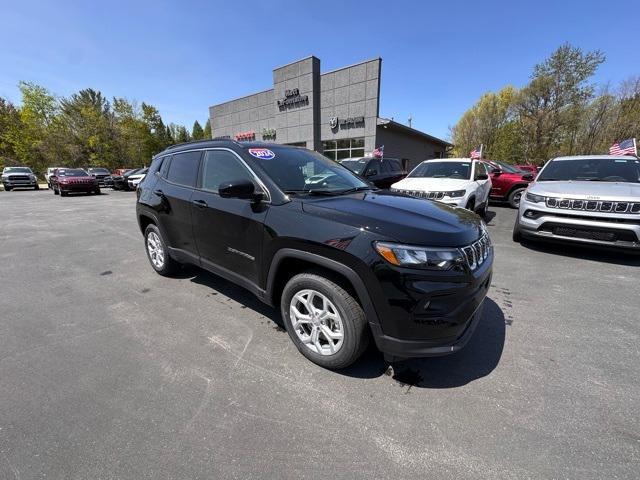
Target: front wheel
516, 235
157, 251
7, 189
515, 197
324, 321
37, 187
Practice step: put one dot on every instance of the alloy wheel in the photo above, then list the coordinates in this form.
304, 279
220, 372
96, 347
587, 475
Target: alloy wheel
316, 322
155, 249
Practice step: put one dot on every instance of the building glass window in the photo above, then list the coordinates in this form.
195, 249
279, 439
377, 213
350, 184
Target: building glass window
343, 148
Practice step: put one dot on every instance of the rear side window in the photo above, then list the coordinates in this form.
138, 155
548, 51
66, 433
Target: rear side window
184, 168
165, 166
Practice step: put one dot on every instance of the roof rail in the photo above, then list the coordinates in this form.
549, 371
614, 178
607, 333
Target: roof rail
195, 142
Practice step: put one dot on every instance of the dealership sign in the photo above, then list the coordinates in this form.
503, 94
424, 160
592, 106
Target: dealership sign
268, 133
350, 122
292, 98
245, 136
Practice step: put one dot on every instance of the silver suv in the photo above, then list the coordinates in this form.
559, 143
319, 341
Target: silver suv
591, 199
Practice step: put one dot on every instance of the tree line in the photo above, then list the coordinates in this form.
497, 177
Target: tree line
84, 129
559, 112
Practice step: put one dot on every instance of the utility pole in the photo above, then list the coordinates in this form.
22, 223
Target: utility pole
410, 120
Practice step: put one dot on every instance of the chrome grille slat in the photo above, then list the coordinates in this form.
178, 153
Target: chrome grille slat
476, 253
593, 205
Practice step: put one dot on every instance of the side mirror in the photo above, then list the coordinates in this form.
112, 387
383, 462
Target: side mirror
243, 189
482, 176
528, 176
496, 171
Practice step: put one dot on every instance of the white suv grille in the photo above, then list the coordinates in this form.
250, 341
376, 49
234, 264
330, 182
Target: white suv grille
427, 195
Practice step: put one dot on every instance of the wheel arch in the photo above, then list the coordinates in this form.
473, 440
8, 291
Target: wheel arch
288, 262
516, 186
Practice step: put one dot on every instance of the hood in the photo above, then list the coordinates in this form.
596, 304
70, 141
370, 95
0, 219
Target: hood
403, 219
585, 190
431, 184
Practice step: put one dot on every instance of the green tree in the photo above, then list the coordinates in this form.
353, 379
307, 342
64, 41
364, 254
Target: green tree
9, 123
196, 132
207, 130
549, 107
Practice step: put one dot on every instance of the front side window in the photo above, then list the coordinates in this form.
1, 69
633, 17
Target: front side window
460, 170
220, 166
184, 168
300, 170
592, 169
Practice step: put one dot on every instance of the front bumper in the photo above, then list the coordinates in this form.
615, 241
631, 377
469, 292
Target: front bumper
20, 183
425, 314
71, 188
537, 221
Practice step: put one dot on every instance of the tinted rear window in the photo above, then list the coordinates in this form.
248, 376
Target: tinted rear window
184, 168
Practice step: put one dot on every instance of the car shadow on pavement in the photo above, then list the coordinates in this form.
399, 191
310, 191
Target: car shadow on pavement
583, 252
477, 359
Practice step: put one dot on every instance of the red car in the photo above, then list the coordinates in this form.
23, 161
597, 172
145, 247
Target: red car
507, 182
528, 168
72, 180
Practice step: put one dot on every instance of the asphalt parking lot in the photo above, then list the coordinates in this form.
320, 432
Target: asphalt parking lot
108, 370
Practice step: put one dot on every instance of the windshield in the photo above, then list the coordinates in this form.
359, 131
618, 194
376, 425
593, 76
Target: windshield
592, 169
297, 170
17, 170
509, 168
460, 170
356, 165
76, 172
98, 170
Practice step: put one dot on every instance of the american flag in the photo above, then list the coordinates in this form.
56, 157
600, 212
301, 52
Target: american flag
476, 153
379, 152
625, 147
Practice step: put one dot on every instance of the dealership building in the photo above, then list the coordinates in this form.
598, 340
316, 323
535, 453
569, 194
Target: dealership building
335, 113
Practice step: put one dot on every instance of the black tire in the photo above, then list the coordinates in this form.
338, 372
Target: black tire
170, 265
55, 190
355, 334
514, 197
37, 187
471, 204
516, 235
7, 189
482, 211
62, 194
97, 191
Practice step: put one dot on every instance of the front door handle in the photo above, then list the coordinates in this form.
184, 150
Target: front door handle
200, 203
158, 192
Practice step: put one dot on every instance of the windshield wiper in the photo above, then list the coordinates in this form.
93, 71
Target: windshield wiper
352, 190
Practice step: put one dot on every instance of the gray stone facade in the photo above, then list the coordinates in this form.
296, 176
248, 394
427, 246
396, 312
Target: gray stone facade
307, 107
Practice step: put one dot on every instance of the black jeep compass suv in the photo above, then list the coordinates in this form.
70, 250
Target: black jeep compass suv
344, 262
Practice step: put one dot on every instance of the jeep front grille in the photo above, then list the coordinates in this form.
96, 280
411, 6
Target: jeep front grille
476, 253
427, 195
593, 205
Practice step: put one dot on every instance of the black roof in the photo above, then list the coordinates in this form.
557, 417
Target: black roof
223, 142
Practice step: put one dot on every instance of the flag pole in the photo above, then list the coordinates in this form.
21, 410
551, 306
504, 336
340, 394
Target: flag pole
481, 150
635, 146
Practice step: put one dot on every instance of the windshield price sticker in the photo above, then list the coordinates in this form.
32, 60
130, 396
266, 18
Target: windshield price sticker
262, 153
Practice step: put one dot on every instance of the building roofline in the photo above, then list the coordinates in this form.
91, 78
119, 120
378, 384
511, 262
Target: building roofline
240, 98
383, 122
296, 61
352, 65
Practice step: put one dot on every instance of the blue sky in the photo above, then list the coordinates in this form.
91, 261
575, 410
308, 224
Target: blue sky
437, 57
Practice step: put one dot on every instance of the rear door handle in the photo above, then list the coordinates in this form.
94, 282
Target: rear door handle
199, 203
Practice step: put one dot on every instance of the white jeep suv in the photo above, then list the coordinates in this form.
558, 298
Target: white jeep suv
460, 182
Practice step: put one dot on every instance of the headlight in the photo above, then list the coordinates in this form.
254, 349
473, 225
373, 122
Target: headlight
32, 176
531, 197
419, 257
456, 193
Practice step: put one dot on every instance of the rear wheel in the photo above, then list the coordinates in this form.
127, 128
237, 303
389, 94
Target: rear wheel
157, 251
515, 196
324, 321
